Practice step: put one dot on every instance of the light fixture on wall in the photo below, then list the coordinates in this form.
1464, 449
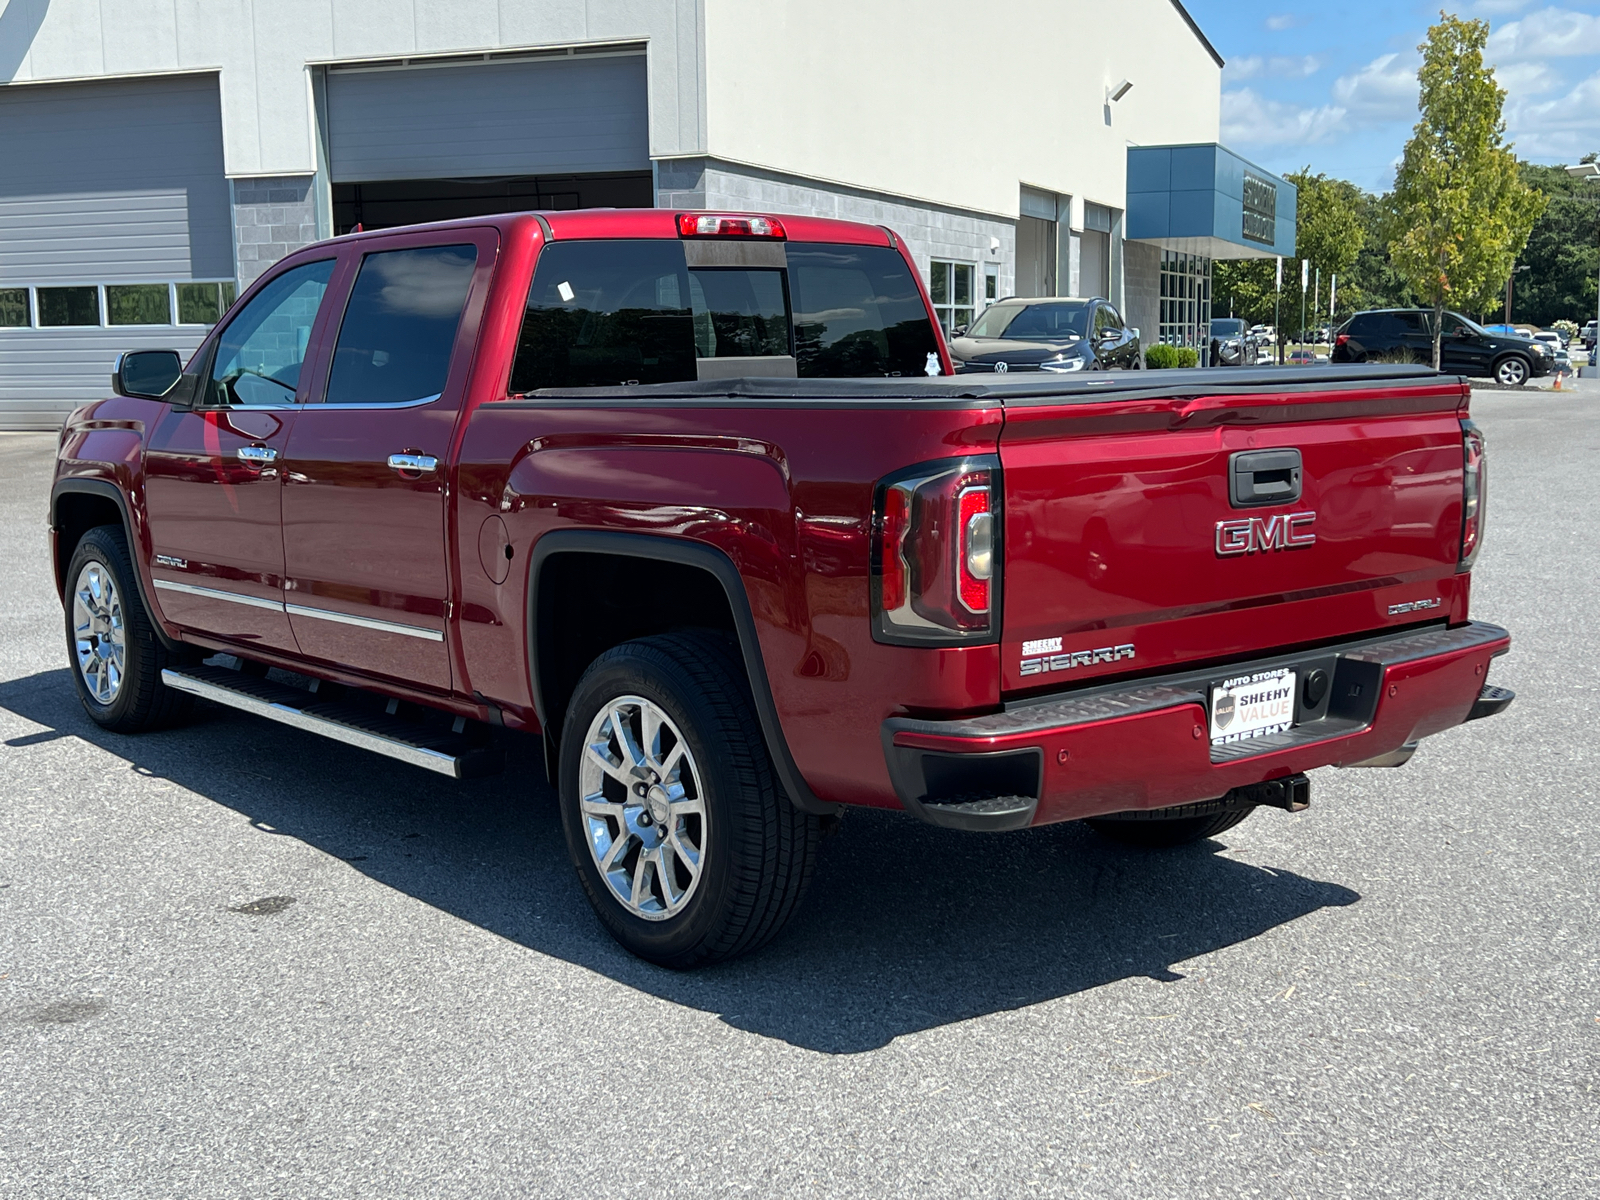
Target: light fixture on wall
1113, 94
994, 245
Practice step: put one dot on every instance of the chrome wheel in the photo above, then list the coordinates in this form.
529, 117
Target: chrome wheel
98, 637
1512, 372
643, 811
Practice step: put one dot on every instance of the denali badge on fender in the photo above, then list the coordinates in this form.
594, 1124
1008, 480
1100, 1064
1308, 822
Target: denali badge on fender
1249, 535
1075, 658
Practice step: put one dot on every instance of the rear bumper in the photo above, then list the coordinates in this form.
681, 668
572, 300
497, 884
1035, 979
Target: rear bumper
1145, 744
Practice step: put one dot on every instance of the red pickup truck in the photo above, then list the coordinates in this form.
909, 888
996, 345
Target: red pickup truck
696, 499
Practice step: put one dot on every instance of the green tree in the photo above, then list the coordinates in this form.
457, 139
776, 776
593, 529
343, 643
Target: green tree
1329, 232
1562, 252
1459, 213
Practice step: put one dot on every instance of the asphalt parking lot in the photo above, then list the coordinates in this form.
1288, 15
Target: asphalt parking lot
236, 960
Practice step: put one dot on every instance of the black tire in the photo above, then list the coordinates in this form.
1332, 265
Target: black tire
757, 850
139, 701
1512, 370
1161, 828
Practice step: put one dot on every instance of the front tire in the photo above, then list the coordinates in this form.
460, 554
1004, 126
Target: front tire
1162, 828
1512, 371
112, 646
684, 843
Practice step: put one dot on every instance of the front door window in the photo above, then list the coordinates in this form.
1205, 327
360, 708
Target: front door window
260, 353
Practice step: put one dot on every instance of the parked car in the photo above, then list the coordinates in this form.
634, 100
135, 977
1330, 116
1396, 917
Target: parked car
1551, 338
1588, 338
1231, 343
589, 477
1466, 348
1304, 358
1061, 336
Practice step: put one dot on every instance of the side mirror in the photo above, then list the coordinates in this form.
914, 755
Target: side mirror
146, 374
959, 331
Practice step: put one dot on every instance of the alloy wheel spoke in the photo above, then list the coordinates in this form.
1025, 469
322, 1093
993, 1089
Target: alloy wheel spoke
689, 856
641, 880
619, 772
623, 732
619, 848
598, 806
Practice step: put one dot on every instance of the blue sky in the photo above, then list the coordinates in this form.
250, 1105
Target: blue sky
1335, 85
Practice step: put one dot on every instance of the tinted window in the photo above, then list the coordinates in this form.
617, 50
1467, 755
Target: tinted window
605, 313
1042, 321
260, 352
1227, 327
1364, 325
857, 311
738, 313
400, 325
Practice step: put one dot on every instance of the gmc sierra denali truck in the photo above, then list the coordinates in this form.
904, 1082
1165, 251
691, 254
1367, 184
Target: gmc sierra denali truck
696, 499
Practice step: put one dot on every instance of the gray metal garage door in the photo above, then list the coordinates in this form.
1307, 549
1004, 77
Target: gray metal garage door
584, 113
113, 202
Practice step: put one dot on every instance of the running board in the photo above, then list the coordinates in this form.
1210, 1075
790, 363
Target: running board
448, 753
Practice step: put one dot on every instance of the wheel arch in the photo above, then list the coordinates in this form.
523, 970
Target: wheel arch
79, 505
710, 577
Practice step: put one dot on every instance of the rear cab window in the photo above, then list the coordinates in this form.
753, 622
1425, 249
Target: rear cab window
604, 313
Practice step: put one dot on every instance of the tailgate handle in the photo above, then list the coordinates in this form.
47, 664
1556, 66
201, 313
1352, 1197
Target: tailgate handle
1259, 477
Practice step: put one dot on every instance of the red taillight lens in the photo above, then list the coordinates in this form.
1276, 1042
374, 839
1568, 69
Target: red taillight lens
1341, 340
728, 225
935, 553
892, 577
1473, 492
975, 562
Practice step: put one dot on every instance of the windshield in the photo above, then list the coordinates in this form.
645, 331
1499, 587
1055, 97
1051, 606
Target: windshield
1453, 320
1227, 327
1033, 322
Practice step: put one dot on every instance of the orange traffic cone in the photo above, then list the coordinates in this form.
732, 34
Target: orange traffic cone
1557, 387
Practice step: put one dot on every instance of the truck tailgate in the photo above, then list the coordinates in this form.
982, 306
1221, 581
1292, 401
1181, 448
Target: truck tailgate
1126, 549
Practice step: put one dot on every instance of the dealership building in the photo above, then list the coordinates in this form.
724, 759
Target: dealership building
157, 157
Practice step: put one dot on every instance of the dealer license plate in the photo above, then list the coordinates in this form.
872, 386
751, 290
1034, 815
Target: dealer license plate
1253, 705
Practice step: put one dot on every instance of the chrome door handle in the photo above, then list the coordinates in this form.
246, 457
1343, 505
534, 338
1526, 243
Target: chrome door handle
422, 464
257, 456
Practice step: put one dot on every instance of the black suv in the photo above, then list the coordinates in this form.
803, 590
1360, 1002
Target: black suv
1048, 334
1467, 348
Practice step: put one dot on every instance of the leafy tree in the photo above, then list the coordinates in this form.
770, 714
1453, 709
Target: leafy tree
1561, 253
1329, 232
1459, 213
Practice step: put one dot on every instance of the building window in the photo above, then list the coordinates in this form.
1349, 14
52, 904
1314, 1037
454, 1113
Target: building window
991, 283
69, 306
950, 286
1185, 299
203, 303
14, 312
138, 304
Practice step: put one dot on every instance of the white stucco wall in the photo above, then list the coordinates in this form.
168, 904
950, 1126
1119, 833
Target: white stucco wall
953, 102
262, 47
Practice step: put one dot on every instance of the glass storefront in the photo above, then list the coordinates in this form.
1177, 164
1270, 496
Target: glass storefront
1185, 299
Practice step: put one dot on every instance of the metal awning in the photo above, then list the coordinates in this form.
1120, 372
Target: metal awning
1204, 199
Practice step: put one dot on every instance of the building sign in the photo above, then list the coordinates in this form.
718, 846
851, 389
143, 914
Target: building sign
1260, 209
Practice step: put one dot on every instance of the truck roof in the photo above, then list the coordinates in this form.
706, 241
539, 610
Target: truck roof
587, 223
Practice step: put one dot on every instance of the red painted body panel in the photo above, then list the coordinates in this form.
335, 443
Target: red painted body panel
1111, 515
1108, 532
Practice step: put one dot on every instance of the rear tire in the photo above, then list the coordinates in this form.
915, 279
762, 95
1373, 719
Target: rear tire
684, 842
1162, 828
115, 655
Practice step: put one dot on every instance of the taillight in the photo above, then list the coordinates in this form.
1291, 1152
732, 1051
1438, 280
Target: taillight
935, 552
1473, 493
1340, 340
728, 225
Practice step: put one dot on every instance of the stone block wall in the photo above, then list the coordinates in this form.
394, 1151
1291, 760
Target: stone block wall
272, 216
930, 231
1141, 290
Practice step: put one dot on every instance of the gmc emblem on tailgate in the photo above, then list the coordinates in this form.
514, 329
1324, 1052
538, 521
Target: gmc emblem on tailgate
1253, 534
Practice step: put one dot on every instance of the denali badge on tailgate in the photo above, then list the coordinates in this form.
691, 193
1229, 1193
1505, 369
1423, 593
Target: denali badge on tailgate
1252, 534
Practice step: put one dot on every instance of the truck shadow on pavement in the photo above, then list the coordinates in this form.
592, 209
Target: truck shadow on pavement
906, 927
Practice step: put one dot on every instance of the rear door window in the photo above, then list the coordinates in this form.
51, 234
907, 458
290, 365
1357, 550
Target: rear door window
604, 313
400, 325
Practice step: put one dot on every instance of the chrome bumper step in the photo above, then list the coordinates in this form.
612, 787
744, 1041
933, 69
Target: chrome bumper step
444, 751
